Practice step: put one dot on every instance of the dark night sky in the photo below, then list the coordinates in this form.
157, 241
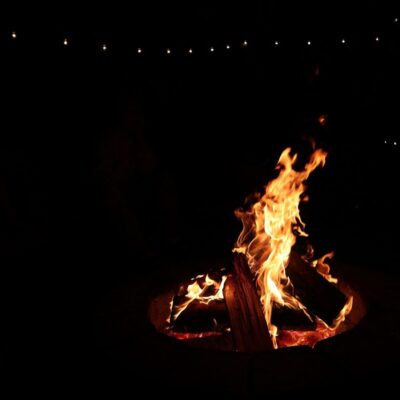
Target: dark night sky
183, 19
232, 113
202, 107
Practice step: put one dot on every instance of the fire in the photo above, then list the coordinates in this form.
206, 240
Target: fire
321, 332
270, 229
323, 268
204, 290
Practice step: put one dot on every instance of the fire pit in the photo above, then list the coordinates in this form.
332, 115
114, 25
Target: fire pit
201, 326
276, 293
140, 353
203, 332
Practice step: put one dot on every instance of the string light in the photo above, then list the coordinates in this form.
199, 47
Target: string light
228, 46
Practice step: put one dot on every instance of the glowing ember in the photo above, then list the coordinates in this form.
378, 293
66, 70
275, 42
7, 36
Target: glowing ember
191, 335
270, 229
322, 331
322, 119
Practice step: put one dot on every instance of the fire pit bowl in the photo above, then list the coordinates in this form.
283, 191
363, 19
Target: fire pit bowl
359, 358
160, 310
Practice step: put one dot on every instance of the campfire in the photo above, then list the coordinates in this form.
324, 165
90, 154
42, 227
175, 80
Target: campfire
276, 293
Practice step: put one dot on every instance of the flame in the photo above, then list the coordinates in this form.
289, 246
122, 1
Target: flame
270, 229
200, 290
323, 268
321, 332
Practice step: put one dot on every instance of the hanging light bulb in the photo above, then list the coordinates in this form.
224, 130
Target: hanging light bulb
65, 42
104, 47
212, 49
190, 51
139, 50
377, 39
14, 35
343, 41
168, 51
309, 43
245, 43
276, 43
228, 46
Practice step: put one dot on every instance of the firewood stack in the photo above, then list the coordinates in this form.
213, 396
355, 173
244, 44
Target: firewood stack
241, 308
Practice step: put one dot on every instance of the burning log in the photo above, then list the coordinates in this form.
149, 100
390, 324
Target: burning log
199, 306
201, 317
286, 318
279, 312
321, 297
249, 328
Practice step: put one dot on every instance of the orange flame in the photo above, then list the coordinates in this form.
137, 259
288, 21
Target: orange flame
321, 332
323, 268
200, 290
269, 232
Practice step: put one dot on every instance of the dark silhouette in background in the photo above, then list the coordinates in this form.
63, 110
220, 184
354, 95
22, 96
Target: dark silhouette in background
138, 193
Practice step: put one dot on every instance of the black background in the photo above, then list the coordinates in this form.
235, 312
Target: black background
112, 161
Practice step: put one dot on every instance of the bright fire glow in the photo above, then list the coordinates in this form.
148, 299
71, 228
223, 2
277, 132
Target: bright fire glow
270, 229
323, 268
203, 290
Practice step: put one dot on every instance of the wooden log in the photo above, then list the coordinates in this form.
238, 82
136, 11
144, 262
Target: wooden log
249, 328
286, 318
321, 297
200, 317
